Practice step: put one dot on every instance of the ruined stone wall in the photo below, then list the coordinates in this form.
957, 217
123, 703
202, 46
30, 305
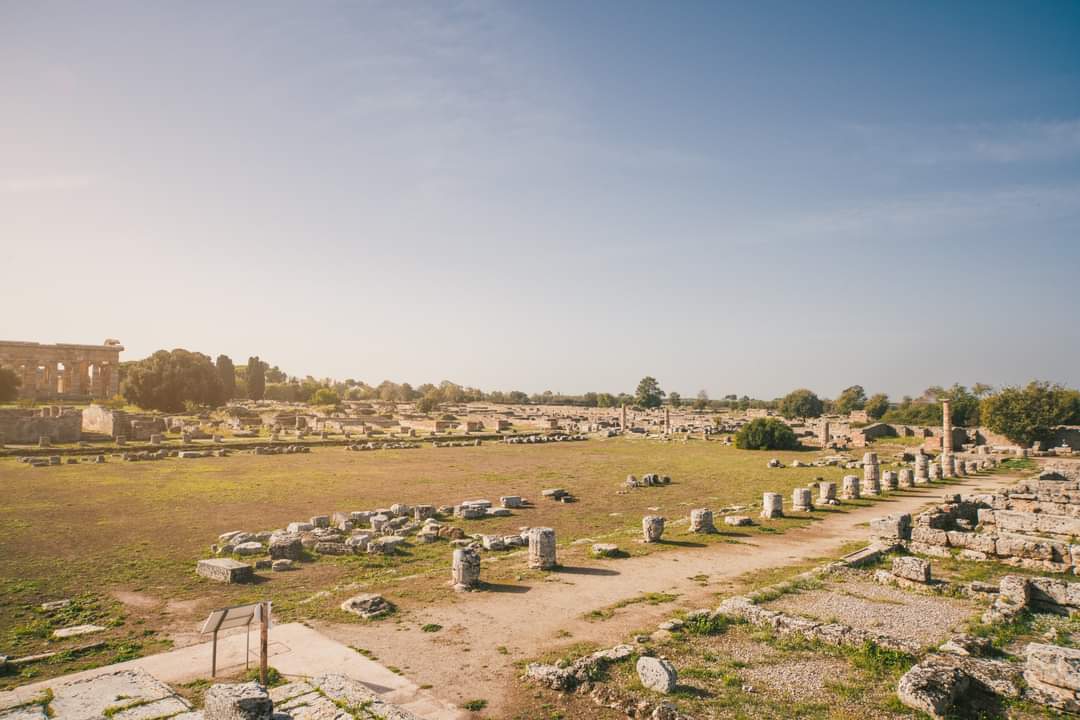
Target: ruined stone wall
116, 423
25, 427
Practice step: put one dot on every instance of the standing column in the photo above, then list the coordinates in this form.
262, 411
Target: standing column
623, 420
667, 420
825, 434
29, 380
113, 384
946, 427
75, 376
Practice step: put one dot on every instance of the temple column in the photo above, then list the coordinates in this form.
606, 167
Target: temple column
946, 427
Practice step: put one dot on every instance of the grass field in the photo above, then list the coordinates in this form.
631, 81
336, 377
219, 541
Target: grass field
122, 539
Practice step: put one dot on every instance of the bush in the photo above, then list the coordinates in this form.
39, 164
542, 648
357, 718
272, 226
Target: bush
766, 434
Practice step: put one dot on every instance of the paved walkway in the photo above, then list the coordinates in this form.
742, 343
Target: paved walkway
295, 650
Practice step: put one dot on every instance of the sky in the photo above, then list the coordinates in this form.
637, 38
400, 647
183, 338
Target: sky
559, 195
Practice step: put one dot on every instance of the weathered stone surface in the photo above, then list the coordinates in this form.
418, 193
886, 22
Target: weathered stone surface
465, 569
850, 488
249, 548
802, 500
737, 520
911, 568
242, 701
286, 546
368, 606
346, 692
701, 521
893, 527
931, 688
605, 549
225, 570
657, 674
772, 505
652, 528
542, 548
76, 631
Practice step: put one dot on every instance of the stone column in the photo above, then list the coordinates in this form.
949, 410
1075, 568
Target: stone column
948, 465
542, 548
935, 471
825, 434
946, 427
922, 469
958, 467
826, 493
652, 527
907, 478
465, 571
622, 420
75, 376
871, 474
113, 384
772, 505
701, 521
667, 420
802, 500
850, 489
890, 480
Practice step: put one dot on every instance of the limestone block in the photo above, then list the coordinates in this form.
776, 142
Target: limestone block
911, 568
657, 674
802, 500
244, 701
225, 570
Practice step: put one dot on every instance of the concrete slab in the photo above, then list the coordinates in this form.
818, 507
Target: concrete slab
297, 651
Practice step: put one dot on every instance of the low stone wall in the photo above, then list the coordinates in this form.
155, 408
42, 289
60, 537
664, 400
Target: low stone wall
26, 426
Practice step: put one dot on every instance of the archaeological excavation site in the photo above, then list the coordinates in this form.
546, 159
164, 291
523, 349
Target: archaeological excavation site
448, 556
539, 360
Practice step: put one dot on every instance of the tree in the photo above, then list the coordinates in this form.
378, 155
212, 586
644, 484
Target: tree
275, 375
227, 371
877, 405
1027, 414
852, 398
9, 384
256, 378
649, 394
324, 396
801, 403
429, 401
168, 379
766, 434
675, 399
702, 400
981, 390
605, 400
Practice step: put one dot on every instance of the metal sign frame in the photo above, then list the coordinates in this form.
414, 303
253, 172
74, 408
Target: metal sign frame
240, 616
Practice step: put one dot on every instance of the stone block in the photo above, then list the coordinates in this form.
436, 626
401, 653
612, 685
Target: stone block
657, 674
244, 701
225, 570
911, 568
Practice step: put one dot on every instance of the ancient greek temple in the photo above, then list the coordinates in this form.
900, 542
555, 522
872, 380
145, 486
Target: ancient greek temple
64, 371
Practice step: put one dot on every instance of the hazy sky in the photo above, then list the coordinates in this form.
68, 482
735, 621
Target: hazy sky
552, 195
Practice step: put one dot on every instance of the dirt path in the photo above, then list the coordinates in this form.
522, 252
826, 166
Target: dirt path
483, 634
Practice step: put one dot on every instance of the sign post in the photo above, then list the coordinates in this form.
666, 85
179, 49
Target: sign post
240, 616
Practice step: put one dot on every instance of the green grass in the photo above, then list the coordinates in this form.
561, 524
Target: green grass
141, 527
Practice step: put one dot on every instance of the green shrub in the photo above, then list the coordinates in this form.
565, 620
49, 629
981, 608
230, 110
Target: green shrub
766, 434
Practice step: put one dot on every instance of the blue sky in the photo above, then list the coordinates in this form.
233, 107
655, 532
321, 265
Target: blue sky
555, 195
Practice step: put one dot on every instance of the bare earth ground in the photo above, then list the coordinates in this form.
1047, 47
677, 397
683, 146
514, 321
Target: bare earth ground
472, 656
